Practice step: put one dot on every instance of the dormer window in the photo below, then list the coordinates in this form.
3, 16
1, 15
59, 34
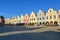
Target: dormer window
40, 14
32, 15
50, 10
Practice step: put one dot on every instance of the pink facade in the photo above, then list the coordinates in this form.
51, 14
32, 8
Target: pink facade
26, 19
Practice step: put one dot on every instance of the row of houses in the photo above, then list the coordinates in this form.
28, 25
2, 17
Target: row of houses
51, 17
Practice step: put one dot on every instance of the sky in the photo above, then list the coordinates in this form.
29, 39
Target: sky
12, 8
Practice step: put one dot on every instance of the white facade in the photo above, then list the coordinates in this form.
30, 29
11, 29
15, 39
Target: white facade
40, 17
22, 19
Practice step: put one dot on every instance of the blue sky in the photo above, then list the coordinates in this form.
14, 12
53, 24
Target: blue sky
11, 8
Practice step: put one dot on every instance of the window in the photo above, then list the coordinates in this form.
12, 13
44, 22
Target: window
43, 22
30, 19
54, 16
47, 17
50, 17
40, 14
37, 18
50, 10
34, 18
32, 15
43, 18
40, 18
59, 16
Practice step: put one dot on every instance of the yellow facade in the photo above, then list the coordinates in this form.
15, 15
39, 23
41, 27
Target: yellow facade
32, 18
51, 16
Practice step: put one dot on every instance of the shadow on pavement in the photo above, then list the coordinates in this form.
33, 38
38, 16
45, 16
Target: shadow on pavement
16, 28
48, 35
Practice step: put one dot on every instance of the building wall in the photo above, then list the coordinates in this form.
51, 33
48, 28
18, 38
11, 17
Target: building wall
13, 20
22, 19
40, 17
7, 21
32, 18
58, 17
18, 19
50, 15
26, 19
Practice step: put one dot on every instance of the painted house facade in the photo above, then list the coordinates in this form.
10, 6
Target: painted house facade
13, 20
58, 17
32, 18
18, 19
22, 19
40, 17
51, 17
26, 19
7, 20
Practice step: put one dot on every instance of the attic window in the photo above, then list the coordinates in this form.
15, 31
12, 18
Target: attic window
40, 14
50, 10
32, 15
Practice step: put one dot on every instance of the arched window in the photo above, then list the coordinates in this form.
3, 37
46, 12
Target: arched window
50, 10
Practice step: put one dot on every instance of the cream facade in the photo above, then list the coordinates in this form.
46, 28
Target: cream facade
32, 18
17, 20
7, 20
13, 20
58, 17
51, 17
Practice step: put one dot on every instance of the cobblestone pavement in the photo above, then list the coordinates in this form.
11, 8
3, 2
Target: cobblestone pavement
39, 33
